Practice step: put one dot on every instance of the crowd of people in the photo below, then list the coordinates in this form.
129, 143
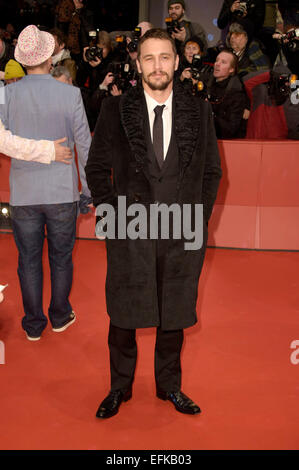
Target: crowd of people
256, 37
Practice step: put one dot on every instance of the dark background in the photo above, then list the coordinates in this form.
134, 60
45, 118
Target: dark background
110, 15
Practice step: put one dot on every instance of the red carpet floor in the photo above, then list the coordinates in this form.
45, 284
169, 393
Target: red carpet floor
236, 363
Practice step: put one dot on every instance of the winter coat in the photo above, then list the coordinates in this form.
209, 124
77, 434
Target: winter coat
229, 100
255, 15
119, 147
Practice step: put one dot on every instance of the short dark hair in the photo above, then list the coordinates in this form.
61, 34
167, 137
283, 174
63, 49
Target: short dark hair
61, 38
156, 33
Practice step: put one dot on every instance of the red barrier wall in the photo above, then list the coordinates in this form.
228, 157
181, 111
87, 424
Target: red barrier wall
258, 202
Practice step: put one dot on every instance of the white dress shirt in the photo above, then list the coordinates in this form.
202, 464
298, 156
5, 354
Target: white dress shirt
166, 117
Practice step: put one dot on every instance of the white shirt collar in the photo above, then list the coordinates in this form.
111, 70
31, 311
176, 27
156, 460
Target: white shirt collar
152, 103
57, 58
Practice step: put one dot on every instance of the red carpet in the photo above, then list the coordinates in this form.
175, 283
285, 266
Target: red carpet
236, 362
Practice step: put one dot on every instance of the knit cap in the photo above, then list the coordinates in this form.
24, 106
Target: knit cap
171, 2
13, 70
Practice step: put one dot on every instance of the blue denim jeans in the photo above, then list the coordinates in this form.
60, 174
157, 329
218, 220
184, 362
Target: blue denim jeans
29, 224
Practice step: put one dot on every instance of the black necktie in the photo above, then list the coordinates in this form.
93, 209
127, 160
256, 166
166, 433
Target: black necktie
158, 135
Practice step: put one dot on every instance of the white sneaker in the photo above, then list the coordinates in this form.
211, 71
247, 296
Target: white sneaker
69, 322
33, 338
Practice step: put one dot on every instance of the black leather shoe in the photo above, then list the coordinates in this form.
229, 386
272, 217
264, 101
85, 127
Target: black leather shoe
181, 402
110, 405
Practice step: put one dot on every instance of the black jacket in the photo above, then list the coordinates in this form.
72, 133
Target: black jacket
229, 101
119, 147
255, 15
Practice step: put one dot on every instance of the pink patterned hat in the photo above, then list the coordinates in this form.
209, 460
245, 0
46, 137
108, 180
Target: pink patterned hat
34, 46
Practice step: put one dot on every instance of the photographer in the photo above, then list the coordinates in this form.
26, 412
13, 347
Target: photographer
75, 20
101, 74
289, 47
250, 55
185, 29
193, 48
61, 55
248, 11
274, 105
227, 97
93, 69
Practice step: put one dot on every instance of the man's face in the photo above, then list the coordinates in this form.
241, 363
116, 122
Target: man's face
1, 45
176, 11
238, 41
223, 66
157, 63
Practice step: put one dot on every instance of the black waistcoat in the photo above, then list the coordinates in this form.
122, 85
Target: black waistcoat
163, 181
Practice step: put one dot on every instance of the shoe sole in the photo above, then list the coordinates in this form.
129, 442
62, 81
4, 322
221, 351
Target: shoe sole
63, 328
32, 338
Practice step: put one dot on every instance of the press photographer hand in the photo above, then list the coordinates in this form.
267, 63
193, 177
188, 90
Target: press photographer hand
186, 73
236, 6
93, 63
108, 79
115, 91
179, 34
78, 4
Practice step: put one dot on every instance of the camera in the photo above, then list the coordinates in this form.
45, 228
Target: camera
124, 76
204, 75
286, 82
93, 52
292, 37
244, 8
196, 66
281, 86
136, 34
120, 40
171, 25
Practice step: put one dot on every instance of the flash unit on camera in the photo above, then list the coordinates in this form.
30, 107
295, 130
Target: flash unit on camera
200, 85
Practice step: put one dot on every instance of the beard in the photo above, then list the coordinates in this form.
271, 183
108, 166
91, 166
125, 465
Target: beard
174, 16
161, 85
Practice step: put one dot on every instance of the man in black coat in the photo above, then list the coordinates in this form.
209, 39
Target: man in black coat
245, 12
160, 145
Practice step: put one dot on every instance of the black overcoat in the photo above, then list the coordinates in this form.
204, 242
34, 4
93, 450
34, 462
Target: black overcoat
119, 148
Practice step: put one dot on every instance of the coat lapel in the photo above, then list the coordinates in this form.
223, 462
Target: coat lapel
132, 113
186, 125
